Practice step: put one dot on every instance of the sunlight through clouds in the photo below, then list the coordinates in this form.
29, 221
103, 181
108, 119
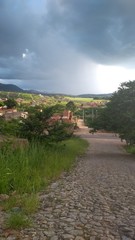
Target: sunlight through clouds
110, 77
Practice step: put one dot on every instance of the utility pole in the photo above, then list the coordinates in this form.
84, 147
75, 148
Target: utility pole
92, 114
83, 115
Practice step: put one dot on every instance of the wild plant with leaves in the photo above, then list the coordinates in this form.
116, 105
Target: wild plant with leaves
38, 126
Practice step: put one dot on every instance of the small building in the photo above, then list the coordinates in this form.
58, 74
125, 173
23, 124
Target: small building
67, 115
9, 114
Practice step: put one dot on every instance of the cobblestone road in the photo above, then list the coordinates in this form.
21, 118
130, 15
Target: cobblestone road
96, 201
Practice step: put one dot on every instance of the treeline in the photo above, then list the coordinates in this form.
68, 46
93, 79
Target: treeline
119, 114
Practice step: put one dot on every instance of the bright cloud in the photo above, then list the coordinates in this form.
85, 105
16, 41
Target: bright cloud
112, 76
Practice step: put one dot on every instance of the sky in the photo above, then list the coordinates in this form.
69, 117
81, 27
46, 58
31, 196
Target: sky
67, 46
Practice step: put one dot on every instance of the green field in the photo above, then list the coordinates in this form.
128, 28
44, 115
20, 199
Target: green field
28, 98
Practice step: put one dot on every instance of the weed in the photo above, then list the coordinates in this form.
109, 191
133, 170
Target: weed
18, 221
27, 203
130, 149
30, 203
10, 203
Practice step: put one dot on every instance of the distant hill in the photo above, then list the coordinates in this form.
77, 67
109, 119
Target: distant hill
14, 88
10, 88
100, 96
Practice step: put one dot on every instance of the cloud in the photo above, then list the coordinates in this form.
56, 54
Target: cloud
57, 45
103, 30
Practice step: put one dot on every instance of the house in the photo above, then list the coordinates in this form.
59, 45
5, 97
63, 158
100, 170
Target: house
66, 116
15, 115
9, 114
19, 100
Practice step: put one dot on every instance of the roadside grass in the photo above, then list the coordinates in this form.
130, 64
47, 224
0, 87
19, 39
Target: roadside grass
130, 149
30, 203
19, 208
18, 221
26, 203
26, 171
29, 169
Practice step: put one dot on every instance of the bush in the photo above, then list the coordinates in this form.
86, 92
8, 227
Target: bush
39, 126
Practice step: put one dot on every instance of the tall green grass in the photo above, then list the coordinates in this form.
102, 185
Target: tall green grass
28, 169
18, 221
130, 149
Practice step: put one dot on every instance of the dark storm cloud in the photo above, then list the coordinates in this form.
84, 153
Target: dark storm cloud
18, 27
102, 29
46, 42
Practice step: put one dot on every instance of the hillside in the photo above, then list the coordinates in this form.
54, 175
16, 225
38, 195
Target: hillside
14, 88
10, 88
100, 96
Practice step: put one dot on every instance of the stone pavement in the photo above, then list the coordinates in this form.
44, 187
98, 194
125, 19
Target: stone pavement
96, 201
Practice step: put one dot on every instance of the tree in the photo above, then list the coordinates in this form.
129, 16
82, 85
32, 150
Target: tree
119, 114
1, 104
10, 128
38, 126
71, 106
10, 103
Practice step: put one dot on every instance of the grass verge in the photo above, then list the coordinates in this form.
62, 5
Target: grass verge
24, 172
26, 203
130, 149
29, 169
17, 221
19, 209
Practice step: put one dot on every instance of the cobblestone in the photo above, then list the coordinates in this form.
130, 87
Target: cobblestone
96, 201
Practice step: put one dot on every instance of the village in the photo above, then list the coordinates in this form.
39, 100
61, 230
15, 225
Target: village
21, 106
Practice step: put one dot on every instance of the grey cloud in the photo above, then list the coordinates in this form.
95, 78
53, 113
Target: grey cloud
59, 35
18, 27
104, 30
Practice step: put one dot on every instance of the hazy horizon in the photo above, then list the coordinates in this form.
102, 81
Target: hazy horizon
62, 93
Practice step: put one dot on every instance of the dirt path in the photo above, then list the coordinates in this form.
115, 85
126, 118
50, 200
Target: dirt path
96, 201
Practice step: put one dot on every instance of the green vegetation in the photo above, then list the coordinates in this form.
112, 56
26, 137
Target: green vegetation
79, 99
9, 128
26, 203
71, 106
39, 126
130, 149
119, 114
39, 99
46, 149
29, 169
18, 221
30, 203
25, 171
10, 103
